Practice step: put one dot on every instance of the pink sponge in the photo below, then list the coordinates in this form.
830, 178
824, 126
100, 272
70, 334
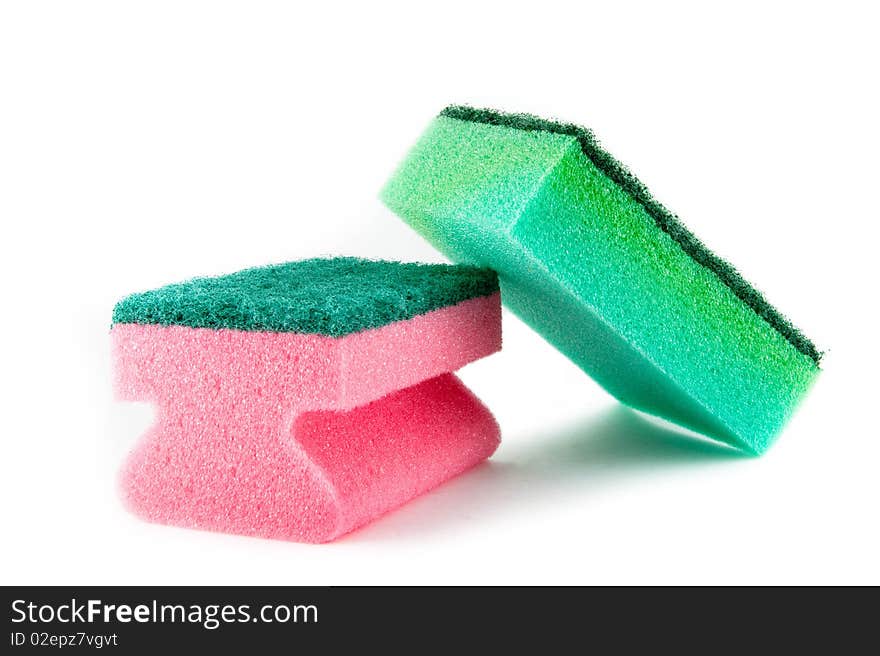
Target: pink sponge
302, 436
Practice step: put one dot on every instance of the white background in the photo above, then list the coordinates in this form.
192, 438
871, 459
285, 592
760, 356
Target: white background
144, 143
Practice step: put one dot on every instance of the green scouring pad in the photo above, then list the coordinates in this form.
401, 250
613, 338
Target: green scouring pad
334, 297
605, 273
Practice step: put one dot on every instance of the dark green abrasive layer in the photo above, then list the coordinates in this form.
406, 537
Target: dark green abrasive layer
334, 297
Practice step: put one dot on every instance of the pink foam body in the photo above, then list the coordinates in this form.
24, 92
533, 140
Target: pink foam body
302, 437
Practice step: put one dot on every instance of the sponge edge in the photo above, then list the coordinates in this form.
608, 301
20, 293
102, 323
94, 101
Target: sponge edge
604, 273
405, 444
299, 436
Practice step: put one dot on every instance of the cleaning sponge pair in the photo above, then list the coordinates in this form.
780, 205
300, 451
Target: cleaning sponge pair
300, 401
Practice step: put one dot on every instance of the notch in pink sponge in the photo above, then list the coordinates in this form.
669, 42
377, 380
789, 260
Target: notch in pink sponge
302, 401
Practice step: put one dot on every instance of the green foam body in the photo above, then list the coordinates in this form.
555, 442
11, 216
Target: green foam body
334, 297
582, 261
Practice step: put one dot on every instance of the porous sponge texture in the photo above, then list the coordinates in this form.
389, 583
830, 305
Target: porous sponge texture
299, 436
323, 296
582, 259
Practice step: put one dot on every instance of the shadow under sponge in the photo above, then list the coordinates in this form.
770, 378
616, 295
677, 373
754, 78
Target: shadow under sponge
303, 400
604, 272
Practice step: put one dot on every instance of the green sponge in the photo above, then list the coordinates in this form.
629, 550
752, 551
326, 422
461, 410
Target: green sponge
605, 273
